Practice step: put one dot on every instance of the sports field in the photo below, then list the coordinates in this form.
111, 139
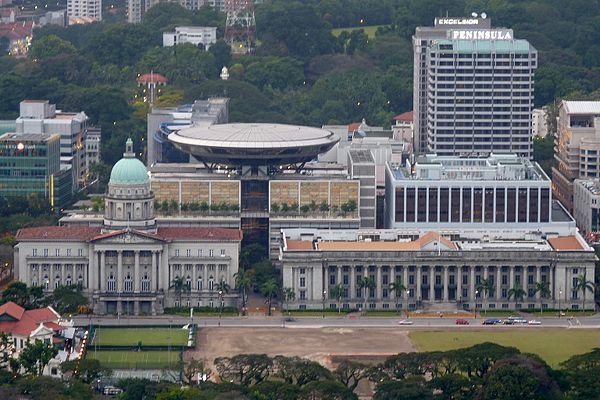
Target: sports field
369, 30
553, 345
174, 336
136, 359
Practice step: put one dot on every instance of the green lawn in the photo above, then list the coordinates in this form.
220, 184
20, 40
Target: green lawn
554, 346
136, 359
369, 30
148, 336
313, 313
498, 313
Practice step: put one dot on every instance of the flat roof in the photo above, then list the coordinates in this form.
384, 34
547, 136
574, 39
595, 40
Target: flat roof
582, 107
566, 243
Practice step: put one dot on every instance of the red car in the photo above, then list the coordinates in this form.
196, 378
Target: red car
462, 322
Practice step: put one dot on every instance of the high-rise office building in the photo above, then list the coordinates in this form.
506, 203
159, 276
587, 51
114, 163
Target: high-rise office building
472, 89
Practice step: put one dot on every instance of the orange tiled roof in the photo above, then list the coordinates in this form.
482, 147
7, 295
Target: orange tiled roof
27, 321
566, 243
299, 245
406, 116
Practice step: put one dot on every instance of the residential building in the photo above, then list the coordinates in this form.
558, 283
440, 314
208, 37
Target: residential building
92, 147
440, 272
498, 191
472, 89
577, 147
201, 36
39, 116
85, 8
586, 207
7, 15
25, 326
403, 128
30, 166
127, 263
164, 121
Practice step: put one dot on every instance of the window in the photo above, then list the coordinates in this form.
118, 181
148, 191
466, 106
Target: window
145, 283
199, 283
345, 279
303, 295
68, 281
465, 279
68, 252
188, 282
211, 253
176, 252
332, 280
34, 252
188, 253
111, 285
45, 252
222, 252
128, 283
302, 282
302, 271
57, 252
79, 252
199, 252
211, 283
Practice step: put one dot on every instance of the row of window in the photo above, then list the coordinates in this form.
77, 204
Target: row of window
199, 253
57, 252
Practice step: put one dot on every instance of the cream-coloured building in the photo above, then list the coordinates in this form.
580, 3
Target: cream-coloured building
440, 271
129, 263
576, 148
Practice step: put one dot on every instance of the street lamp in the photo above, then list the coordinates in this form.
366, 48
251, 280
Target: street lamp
220, 305
407, 294
476, 294
559, 296
324, 296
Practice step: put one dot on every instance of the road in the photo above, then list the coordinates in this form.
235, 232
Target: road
329, 321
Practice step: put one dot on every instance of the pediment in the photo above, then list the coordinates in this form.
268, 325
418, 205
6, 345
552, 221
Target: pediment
127, 237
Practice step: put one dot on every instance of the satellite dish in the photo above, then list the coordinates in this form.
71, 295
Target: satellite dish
483, 15
474, 15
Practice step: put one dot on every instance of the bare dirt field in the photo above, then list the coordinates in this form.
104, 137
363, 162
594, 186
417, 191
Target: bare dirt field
324, 345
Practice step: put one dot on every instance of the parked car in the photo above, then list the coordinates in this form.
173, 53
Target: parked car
509, 321
462, 322
405, 322
519, 320
534, 322
491, 321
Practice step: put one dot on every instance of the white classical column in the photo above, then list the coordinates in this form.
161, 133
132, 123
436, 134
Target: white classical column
445, 288
418, 279
90, 270
538, 279
498, 282
458, 283
39, 273
431, 283
164, 266
62, 274
195, 278
352, 282
339, 275
511, 278
472, 284
154, 281
136, 271
379, 287
103, 271
119, 271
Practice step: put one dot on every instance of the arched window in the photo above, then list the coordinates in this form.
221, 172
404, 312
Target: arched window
211, 283
80, 280
111, 285
68, 281
46, 282
57, 281
199, 283
188, 282
145, 283
128, 283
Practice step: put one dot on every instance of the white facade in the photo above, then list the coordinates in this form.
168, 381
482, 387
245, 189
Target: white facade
85, 8
202, 36
586, 207
439, 274
539, 123
92, 147
39, 116
498, 191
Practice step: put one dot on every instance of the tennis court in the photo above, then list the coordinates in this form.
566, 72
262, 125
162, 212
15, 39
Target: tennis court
122, 337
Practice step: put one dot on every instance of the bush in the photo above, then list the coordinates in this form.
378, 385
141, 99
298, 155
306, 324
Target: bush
274, 207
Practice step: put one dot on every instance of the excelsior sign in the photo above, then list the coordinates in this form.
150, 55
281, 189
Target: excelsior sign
497, 34
456, 21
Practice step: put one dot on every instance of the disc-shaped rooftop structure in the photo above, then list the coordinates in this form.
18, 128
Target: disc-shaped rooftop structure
244, 144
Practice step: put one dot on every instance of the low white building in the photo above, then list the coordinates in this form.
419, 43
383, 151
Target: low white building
201, 36
439, 271
539, 122
586, 207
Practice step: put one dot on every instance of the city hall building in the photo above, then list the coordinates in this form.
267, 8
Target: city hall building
440, 272
129, 262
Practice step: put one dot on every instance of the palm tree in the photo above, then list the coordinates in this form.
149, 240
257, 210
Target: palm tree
544, 289
366, 283
337, 292
243, 281
398, 288
517, 292
179, 286
269, 290
584, 285
223, 287
486, 288
288, 295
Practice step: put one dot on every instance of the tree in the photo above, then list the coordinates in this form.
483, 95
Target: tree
252, 254
543, 288
288, 295
263, 271
350, 373
243, 281
584, 285
366, 283
179, 286
244, 369
221, 51
398, 288
337, 292
276, 390
223, 287
299, 371
68, 299
6, 348
326, 390
486, 288
517, 293
86, 369
414, 388
192, 368
269, 290
50, 46
478, 359
36, 356
16, 292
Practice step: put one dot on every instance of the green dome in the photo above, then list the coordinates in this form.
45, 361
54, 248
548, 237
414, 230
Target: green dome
129, 170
